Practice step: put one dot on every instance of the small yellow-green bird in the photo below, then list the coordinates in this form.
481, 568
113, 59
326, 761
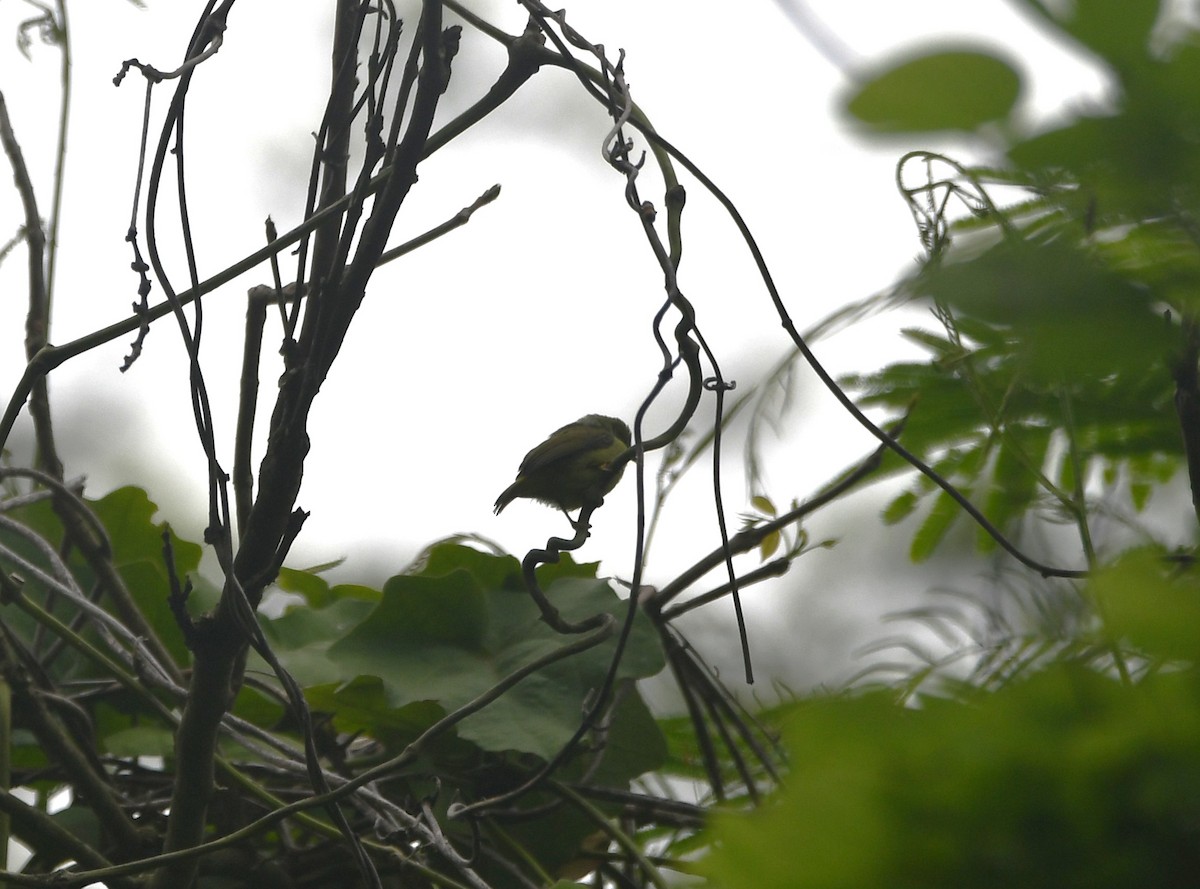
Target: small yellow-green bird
572, 465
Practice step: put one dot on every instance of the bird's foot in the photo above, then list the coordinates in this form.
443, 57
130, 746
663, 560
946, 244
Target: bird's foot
578, 525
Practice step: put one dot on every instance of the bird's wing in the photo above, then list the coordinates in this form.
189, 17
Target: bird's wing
566, 442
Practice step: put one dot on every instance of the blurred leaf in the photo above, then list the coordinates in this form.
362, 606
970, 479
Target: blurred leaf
1070, 316
935, 527
1065, 779
770, 545
900, 508
961, 467
1139, 162
804, 842
952, 89
25, 752
261, 709
1014, 484
1147, 600
1139, 493
1118, 30
941, 346
81, 822
141, 740
1160, 256
763, 504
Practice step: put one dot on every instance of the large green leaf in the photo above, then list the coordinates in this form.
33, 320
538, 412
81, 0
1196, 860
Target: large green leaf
955, 88
440, 637
127, 516
301, 638
361, 705
137, 550
317, 591
451, 632
448, 640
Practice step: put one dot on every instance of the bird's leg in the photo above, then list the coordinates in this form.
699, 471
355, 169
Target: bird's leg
575, 523
590, 505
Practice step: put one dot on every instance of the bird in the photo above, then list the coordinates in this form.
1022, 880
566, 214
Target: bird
572, 466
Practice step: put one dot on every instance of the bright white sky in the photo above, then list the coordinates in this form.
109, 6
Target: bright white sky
466, 354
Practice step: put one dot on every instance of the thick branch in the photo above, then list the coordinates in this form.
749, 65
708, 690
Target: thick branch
209, 696
323, 334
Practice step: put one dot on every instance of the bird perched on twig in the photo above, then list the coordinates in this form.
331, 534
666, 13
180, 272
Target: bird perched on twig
572, 466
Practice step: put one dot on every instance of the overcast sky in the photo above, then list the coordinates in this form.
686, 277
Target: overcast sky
467, 353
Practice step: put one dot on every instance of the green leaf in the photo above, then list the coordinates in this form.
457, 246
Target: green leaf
137, 551
1117, 30
940, 346
954, 89
82, 822
25, 752
1139, 163
796, 843
301, 638
362, 705
317, 591
141, 740
313, 587
127, 514
261, 709
442, 636
770, 545
1145, 600
1014, 483
635, 743
301, 626
763, 504
960, 467
1139, 494
900, 508
935, 527
1160, 256
126, 726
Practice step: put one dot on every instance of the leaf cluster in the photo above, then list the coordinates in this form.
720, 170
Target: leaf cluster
1060, 752
380, 669
1064, 777
1065, 318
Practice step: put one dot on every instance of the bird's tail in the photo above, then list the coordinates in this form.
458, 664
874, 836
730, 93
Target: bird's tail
509, 495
